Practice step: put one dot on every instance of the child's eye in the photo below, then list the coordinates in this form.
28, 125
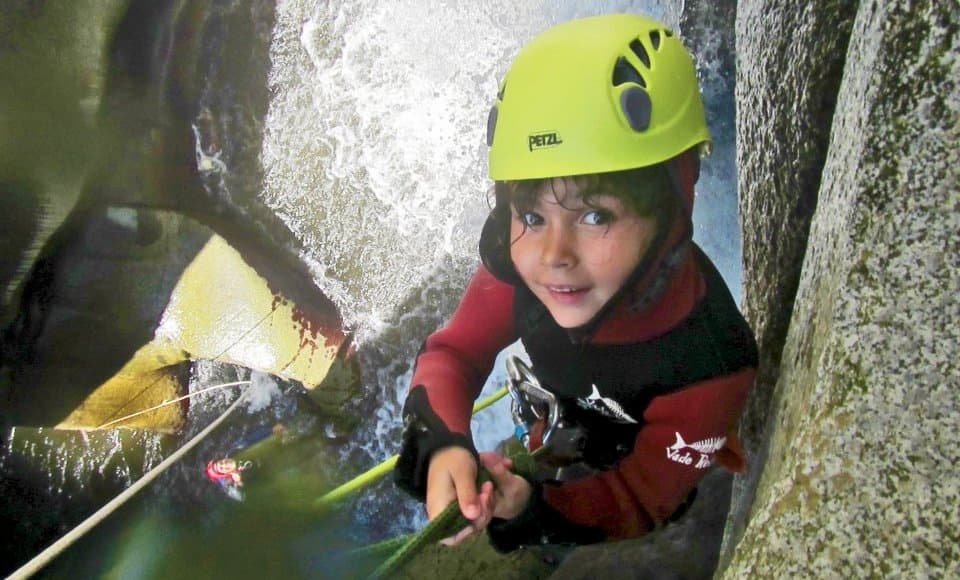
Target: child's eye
597, 217
531, 218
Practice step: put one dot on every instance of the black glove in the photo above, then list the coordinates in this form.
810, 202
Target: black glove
423, 433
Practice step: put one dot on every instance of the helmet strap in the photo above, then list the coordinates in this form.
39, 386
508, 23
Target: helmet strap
495, 243
669, 263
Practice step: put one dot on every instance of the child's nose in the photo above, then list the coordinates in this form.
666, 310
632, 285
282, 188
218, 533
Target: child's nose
556, 249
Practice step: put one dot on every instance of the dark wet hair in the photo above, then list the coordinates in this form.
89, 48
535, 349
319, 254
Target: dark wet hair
647, 191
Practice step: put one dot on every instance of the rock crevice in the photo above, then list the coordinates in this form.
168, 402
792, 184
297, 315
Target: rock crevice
859, 478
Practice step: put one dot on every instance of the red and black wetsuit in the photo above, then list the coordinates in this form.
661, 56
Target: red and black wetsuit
670, 380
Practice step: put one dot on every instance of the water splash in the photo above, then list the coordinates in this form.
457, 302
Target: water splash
262, 392
374, 148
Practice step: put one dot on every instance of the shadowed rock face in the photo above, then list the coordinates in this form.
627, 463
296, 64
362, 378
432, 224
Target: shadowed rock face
860, 476
135, 136
48, 106
93, 298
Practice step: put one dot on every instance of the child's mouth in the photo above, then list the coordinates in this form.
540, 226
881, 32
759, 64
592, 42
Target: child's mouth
566, 294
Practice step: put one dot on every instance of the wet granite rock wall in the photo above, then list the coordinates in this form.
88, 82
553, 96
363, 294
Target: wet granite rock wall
789, 64
859, 477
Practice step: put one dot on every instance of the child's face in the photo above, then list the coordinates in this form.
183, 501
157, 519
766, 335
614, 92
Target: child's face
574, 257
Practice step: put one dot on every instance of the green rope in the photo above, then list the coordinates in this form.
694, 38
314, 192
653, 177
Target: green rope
354, 485
371, 475
380, 550
451, 520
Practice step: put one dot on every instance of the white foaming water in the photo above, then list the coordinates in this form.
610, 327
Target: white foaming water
263, 389
374, 145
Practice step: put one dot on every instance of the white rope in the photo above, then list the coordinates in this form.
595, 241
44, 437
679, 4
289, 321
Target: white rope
54, 550
170, 402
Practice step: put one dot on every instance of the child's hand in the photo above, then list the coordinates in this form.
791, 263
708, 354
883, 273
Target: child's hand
503, 497
511, 492
452, 476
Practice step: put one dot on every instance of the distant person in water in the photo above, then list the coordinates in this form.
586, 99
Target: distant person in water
594, 145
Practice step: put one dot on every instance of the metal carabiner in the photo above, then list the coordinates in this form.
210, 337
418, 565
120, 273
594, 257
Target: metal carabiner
530, 397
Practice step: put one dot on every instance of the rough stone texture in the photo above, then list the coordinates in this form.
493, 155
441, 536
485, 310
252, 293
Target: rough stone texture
861, 478
789, 64
684, 550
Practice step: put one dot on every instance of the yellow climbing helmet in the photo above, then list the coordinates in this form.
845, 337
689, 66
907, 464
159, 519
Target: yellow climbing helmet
597, 94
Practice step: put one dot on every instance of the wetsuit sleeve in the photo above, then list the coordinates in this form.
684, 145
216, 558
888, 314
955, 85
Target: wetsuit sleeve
449, 373
684, 433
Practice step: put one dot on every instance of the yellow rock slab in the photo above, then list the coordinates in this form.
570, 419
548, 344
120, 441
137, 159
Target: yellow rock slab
220, 310
223, 310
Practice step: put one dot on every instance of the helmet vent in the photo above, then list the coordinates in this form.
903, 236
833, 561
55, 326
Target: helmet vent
491, 125
624, 72
655, 39
636, 106
667, 32
638, 49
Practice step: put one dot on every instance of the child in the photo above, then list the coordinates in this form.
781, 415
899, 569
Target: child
587, 258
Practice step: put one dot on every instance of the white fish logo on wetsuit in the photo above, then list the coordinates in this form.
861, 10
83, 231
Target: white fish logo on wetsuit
605, 406
706, 448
